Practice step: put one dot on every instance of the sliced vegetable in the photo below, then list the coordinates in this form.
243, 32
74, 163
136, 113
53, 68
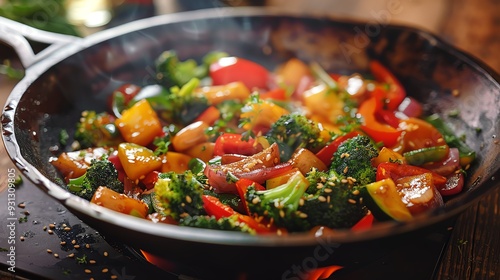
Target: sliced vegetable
378, 131
232, 143
454, 184
137, 161
425, 155
418, 134
419, 193
388, 155
396, 93
139, 124
236, 69
173, 161
383, 199
119, 202
304, 160
396, 171
219, 93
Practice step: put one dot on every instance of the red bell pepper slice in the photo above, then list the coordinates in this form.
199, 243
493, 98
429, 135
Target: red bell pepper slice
274, 94
214, 207
395, 171
150, 180
234, 69
209, 116
396, 93
378, 131
232, 143
326, 153
242, 186
365, 223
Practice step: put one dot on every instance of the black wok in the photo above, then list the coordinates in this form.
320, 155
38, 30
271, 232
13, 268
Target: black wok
79, 74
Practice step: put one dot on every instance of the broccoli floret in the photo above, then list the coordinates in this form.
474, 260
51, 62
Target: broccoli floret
170, 71
294, 131
332, 201
279, 205
209, 222
353, 159
101, 172
96, 130
179, 105
179, 195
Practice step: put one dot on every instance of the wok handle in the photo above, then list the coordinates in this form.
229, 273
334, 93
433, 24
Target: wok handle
16, 35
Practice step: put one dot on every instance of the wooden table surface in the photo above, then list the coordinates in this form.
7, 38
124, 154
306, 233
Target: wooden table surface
473, 250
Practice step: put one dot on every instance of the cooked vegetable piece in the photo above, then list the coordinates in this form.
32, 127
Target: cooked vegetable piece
178, 195
293, 131
101, 172
237, 69
279, 205
419, 193
119, 202
176, 162
139, 124
353, 159
74, 164
384, 201
190, 136
331, 200
137, 161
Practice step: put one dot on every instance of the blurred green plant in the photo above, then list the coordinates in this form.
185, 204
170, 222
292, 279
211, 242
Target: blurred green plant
48, 15
9, 71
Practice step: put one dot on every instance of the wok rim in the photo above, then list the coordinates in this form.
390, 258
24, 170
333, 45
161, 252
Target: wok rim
82, 207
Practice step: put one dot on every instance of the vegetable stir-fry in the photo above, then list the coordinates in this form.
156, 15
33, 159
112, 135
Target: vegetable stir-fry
228, 144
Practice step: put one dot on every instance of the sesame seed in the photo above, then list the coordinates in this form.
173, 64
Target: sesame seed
255, 200
71, 255
50, 231
21, 205
67, 229
104, 270
467, 167
346, 169
62, 243
52, 226
76, 246
87, 246
92, 261
355, 192
114, 277
328, 199
361, 200
301, 202
56, 255
268, 157
319, 186
44, 228
303, 215
344, 181
73, 242
49, 251
188, 199
455, 92
282, 213
105, 254
328, 190
332, 184
322, 198
88, 271
352, 201
64, 225
21, 238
